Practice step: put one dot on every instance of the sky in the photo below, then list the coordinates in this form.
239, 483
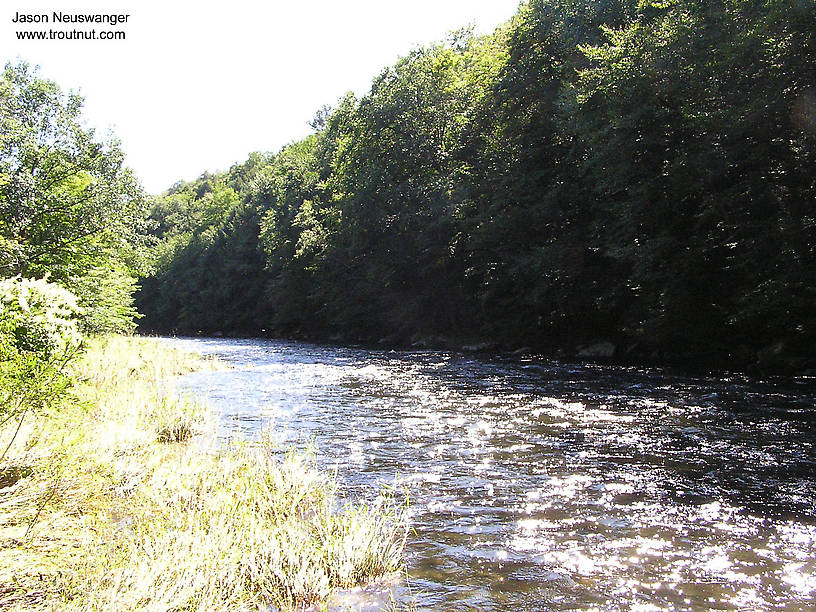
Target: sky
196, 86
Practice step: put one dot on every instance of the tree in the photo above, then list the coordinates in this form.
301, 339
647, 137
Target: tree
69, 208
633, 170
687, 115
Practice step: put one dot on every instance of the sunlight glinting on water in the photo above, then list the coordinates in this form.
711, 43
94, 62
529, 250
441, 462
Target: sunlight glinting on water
535, 485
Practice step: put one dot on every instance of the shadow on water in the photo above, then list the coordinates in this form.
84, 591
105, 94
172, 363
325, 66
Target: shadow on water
540, 485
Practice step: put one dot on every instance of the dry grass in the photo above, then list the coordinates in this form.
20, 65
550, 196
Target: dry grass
108, 504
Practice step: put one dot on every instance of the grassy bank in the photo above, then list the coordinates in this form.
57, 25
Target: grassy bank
114, 502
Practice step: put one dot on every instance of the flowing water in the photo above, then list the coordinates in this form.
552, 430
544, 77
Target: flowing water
538, 485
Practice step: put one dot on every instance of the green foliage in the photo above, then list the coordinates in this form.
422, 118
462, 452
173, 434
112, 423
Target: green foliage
637, 171
107, 299
685, 117
39, 336
209, 270
69, 209
39, 317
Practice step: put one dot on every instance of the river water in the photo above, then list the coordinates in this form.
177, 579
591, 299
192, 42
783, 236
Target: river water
538, 485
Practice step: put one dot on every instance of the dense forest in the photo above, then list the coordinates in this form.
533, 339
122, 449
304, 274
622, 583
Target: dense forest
626, 180
620, 176
610, 178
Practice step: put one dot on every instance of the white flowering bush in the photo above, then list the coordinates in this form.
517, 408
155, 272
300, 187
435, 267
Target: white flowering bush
40, 317
39, 336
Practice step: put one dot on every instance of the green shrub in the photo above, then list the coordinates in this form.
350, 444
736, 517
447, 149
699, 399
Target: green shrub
39, 317
39, 336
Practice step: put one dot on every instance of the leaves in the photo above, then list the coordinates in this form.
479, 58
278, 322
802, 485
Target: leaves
68, 206
638, 170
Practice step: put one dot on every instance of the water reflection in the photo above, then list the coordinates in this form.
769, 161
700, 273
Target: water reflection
537, 485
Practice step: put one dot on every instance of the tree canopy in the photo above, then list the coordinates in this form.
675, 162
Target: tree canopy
69, 208
639, 172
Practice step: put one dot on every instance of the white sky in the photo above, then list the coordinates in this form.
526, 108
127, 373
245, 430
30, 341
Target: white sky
197, 85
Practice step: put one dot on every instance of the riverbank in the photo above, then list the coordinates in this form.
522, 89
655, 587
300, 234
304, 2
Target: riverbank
117, 501
538, 484
785, 358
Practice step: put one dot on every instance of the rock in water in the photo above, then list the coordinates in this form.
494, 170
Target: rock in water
599, 349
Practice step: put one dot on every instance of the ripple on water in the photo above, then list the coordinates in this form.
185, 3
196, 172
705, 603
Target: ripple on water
538, 485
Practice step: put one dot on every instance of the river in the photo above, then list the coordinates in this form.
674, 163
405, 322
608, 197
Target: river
539, 485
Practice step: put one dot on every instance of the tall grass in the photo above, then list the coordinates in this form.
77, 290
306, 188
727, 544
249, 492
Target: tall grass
111, 504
